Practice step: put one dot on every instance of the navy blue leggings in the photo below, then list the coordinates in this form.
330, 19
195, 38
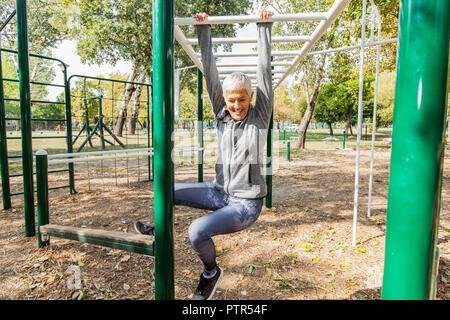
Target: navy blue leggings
230, 214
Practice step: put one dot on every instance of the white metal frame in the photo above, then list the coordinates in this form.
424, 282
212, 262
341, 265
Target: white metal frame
325, 20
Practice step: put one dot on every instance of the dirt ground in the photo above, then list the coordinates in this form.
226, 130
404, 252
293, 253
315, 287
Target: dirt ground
300, 249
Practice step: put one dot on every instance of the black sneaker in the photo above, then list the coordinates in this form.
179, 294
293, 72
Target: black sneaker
207, 287
143, 229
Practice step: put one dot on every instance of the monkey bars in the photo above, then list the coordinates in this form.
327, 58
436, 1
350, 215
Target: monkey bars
324, 19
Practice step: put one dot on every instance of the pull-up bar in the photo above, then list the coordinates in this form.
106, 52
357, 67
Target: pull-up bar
252, 18
193, 41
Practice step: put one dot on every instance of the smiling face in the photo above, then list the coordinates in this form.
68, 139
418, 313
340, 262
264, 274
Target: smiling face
238, 102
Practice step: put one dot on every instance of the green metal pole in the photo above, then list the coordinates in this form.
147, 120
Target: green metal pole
420, 114
25, 116
42, 193
163, 86
149, 144
4, 169
200, 123
69, 128
101, 126
288, 152
343, 140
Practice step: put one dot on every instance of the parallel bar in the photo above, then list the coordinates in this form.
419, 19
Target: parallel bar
337, 7
418, 147
275, 39
185, 21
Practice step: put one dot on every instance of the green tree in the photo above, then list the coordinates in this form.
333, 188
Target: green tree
110, 30
329, 107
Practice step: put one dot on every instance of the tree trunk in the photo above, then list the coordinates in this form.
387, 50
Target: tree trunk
331, 128
310, 108
348, 127
129, 89
137, 103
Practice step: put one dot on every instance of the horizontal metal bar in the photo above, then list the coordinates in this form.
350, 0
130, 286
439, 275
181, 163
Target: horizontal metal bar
50, 171
250, 64
36, 82
49, 137
357, 46
35, 56
99, 158
78, 154
106, 79
250, 76
35, 119
185, 21
292, 53
275, 39
36, 101
51, 188
223, 71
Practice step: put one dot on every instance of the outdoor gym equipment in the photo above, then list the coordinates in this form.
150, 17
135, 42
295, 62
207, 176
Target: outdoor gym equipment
99, 126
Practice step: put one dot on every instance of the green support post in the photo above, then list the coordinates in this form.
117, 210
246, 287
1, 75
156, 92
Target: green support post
42, 193
200, 123
343, 140
69, 128
4, 169
288, 152
25, 116
418, 144
149, 144
163, 89
100, 119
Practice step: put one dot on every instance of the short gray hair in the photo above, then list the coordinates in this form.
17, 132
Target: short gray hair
237, 80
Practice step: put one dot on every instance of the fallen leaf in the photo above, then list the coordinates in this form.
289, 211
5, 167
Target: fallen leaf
125, 258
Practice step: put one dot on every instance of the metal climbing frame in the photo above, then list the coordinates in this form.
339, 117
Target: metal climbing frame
280, 70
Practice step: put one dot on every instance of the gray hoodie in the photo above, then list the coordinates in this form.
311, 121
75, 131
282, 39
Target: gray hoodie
239, 167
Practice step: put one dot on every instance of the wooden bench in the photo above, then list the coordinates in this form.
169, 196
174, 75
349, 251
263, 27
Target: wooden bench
131, 242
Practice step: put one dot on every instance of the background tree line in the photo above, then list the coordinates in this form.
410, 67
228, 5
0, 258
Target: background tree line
325, 87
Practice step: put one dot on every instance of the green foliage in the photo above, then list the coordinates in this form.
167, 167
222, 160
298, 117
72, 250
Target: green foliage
337, 101
46, 24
